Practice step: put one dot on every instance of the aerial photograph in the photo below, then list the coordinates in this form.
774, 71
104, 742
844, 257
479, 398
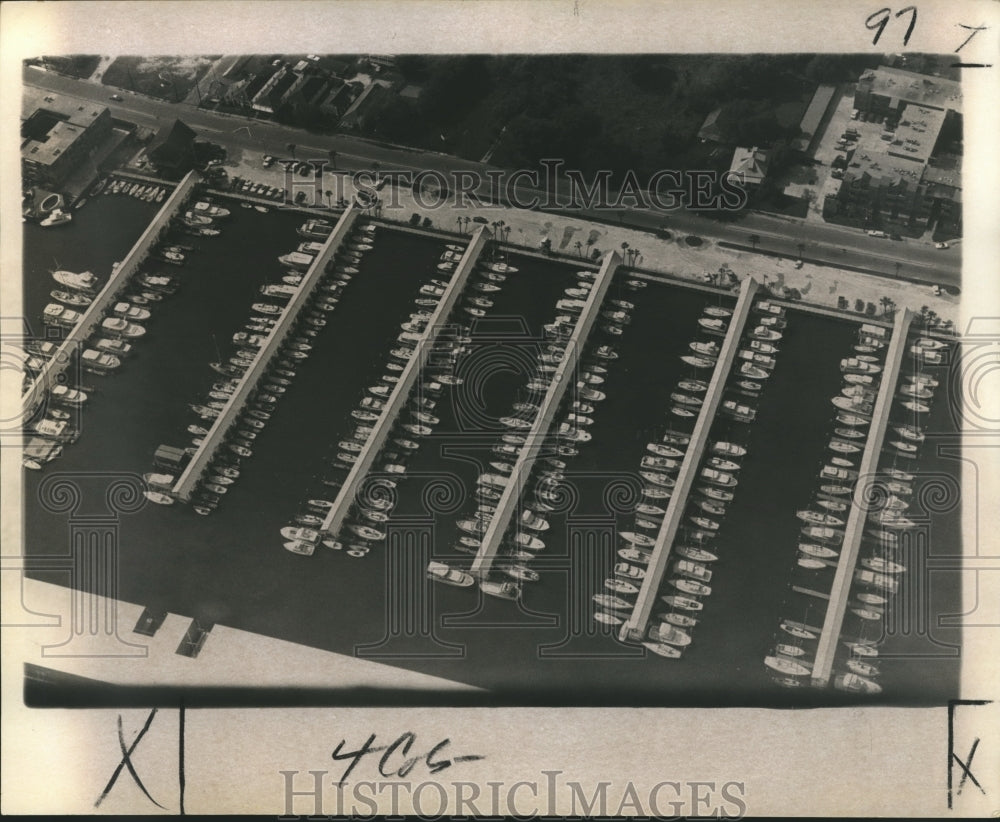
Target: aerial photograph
572, 380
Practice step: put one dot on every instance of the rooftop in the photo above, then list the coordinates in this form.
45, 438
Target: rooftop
909, 87
883, 168
751, 163
76, 111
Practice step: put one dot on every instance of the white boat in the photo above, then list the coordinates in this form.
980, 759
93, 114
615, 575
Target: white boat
788, 667
502, 590
94, 360
612, 603
298, 532
69, 298
670, 634
56, 217
695, 553
663, 650
729, 449
690, 586
158, 497
300, 546
607, 619
130, 312
683, 602
440, 572
620, 586
55, 314
121, 327
857, 684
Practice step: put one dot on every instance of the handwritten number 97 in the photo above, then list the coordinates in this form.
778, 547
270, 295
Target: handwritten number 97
879, 19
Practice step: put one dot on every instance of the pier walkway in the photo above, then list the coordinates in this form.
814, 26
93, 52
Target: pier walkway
634, 629
826, 648
407, 379
563, 376
108, 295
188, 480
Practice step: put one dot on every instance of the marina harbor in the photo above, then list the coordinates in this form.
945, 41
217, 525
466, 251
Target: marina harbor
557, 380
429, 448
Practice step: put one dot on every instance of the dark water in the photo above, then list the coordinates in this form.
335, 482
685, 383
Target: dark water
230, 568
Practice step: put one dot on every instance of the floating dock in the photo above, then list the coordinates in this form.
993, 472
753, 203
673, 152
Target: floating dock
188, 480
407, 379
840, 590
634, 629
483, 561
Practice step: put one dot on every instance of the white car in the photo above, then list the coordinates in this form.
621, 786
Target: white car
941, 245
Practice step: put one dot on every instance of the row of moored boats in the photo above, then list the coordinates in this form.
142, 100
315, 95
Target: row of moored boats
365, 523
822, 532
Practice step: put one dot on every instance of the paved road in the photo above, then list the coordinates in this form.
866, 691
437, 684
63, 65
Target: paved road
833, 244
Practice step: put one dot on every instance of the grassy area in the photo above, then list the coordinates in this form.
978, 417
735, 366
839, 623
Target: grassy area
169, 78
80, 66
619, 112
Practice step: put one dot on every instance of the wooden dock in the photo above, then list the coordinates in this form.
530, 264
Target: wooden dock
634, 629
189, 478
407, 379
563, 376
826, 649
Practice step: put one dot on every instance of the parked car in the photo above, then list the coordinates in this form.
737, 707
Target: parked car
874, 233
268, 161
116, 97
941, 245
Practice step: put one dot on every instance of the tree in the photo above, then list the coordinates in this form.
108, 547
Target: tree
754, 240
328, 195
333, 157
579, 248
291, 149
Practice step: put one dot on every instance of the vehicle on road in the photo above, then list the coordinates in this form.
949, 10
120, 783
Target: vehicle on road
941, 245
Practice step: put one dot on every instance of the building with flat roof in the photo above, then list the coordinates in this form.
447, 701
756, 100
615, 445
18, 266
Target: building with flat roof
813, 117
888, 90
903, 178
58, 133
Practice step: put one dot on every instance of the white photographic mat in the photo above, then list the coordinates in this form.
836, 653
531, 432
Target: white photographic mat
494, 407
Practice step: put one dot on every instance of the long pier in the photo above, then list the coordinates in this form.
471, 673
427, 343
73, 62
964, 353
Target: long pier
826, 648
634, 629
407, 379
483, 561
108, 295
188, 480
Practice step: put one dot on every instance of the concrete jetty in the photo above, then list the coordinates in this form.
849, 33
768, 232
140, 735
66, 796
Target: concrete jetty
483, 561
188, 480
826, 648
109, 294
407, 379
634, 629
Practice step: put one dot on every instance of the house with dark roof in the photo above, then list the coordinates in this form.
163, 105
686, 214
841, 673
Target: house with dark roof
354, 117
172, 150
710, 132
276, 91
338, 99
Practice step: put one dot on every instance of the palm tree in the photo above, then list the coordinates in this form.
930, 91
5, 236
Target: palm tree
579, 248
754, 240
459, 221
291, 149
328, 195
333, 157
898, 266
625, 252
802, 249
